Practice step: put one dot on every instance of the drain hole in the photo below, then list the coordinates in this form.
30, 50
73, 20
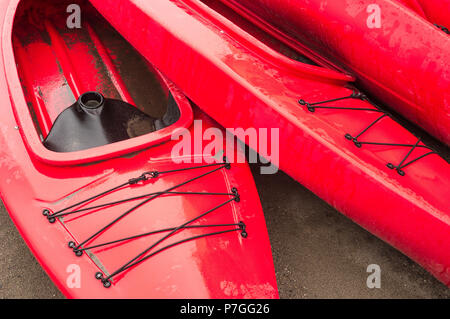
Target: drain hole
91, 100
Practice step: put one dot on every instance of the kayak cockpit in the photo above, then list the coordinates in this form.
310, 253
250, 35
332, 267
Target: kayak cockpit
62, 69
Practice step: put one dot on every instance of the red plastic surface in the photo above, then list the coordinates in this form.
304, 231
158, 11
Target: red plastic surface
405, 62
435, 11
221, 266
241, 82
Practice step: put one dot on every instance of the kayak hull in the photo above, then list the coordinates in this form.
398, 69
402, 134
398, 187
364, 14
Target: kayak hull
218, 257
245, 83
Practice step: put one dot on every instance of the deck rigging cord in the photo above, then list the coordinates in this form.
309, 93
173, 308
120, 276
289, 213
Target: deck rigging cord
141, 256
81, 247
143, 177
311, 107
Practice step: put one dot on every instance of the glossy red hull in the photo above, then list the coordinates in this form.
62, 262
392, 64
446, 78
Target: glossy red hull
241, 81
400, 58
207, 224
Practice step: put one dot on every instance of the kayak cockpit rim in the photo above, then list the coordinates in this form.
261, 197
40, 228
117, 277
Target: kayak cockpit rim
324, 71
28, 130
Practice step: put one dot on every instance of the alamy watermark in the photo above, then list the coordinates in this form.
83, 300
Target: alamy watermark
374, 18
208, 145
374, 279
74, 18
74, 278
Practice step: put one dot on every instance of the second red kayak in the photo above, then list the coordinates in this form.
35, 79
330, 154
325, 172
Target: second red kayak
395, 54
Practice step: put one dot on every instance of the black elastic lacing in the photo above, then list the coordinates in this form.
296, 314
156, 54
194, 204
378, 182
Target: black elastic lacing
145, 201
131, 199
400, 167
78, 249
240, 225
355, 139
140, 257
143, 177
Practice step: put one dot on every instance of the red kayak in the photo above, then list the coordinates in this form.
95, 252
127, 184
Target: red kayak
396, 55
89, 178
331, 138
435, 11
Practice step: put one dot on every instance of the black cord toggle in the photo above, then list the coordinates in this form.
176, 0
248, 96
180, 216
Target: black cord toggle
353, 139
242, 227
235, 192
397, 168
144, 177
308, 105
49, 217
106, 283
136, 180
75, 249
359, 95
